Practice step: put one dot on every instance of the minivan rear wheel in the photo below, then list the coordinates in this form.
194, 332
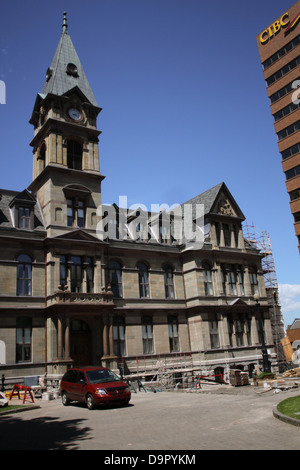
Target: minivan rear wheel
90, 402
65, 400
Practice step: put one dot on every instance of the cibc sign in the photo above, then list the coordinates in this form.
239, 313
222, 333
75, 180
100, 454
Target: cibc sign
275, 28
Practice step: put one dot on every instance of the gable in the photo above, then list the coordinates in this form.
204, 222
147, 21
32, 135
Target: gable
226, 205
78, 235
24, 197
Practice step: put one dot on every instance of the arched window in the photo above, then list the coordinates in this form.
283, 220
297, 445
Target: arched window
143, 280
24, 274
169, 281
42, 158
207, 278
74, 155
115, 274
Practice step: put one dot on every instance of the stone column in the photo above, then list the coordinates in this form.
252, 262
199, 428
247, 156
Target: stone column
110, 336
105, 336
247, 284
224, 336
59, 339
67, 339
254, 332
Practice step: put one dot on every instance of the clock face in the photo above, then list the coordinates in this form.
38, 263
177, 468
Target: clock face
74, 114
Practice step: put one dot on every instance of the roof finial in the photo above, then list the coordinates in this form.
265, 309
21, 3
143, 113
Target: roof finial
65, 26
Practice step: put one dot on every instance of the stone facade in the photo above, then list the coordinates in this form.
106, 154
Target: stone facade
73, 294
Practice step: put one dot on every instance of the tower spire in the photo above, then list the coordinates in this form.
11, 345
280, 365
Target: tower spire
66, 71
65, 25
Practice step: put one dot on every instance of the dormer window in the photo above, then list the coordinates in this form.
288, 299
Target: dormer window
72, 70
22, 209
24, 217
49, 74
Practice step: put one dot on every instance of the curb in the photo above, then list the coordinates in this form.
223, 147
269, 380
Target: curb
284, 418
19, 410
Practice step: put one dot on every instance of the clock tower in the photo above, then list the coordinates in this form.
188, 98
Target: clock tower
66, 175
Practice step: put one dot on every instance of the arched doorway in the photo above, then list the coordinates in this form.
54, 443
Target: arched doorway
80, 343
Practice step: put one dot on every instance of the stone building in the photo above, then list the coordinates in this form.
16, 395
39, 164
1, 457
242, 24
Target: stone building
86, 284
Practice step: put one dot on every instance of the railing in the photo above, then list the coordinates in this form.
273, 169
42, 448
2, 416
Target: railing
80, 297
49, 381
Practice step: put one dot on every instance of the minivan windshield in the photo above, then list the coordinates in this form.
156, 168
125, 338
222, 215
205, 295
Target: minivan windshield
99, 375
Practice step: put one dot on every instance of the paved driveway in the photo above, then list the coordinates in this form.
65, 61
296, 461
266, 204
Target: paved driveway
156, 421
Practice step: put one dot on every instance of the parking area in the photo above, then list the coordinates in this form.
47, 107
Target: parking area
177, 421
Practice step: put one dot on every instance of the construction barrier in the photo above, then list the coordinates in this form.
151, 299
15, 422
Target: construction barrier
16, 391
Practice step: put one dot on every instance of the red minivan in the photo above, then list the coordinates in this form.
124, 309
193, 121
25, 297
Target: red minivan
93, 386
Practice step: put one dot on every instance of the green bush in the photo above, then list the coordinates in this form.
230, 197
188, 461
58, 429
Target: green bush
266, 375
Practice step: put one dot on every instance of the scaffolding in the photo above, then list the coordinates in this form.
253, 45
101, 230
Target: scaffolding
262, 241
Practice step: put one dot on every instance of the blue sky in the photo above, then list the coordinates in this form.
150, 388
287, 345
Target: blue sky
184, 104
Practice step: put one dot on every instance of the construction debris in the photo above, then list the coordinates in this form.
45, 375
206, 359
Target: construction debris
292, 372
238, 378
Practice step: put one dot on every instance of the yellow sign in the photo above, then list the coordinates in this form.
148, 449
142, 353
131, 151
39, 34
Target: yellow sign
274, 28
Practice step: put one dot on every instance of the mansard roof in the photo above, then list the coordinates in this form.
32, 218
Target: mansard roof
8, 199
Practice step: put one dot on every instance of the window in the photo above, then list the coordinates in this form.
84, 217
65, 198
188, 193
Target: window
282, 72
76, 274
24, 274
119, 336
72, 69
143, 280
24, 217
227, 235
208, 287
253, 282
81, 272
285, 111
248, 330
282, 92
173, 334
115, 270
281, 53
75, 213
23, 339
147, 335
295, 194
290, 151
239, 332
223, 277
89, 270
63, 271
286, 132
232, 283
74, 155
214, 333
292, 172
297, 217
240, 278
41, 159
169, 281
